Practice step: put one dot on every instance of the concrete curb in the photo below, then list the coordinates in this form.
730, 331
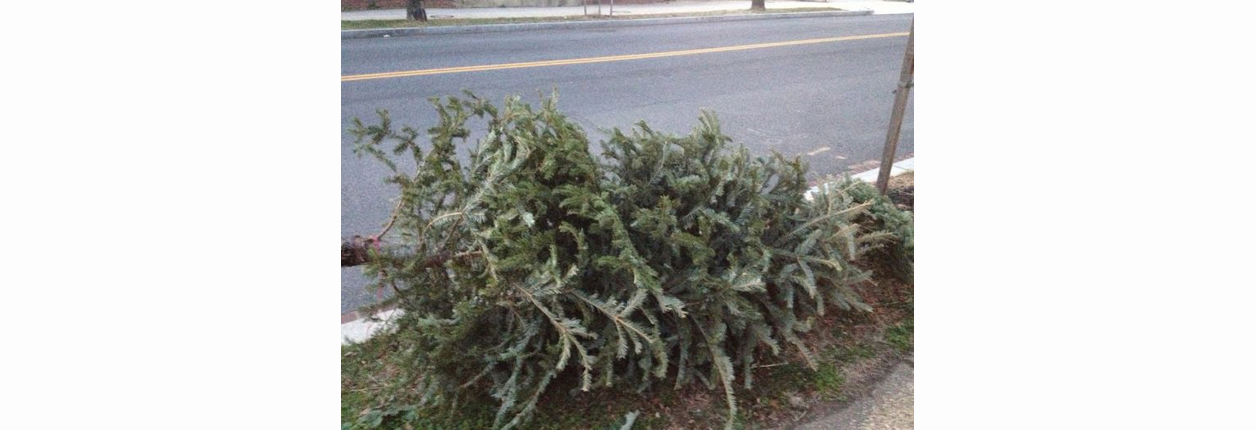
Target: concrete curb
355, 327
497, 28
901, 167
895, 170
362, 329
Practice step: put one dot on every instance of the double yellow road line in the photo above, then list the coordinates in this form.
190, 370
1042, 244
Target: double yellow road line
590, 60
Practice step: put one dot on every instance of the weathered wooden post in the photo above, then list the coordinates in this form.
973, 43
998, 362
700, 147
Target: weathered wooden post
896, 117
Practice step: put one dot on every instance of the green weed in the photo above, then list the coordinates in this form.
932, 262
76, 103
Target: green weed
901, 336
828, 382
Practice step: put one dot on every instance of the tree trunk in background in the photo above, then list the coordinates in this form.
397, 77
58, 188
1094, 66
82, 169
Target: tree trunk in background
414, 11
757, 5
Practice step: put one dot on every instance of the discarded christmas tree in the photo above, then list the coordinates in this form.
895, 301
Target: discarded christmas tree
669, 260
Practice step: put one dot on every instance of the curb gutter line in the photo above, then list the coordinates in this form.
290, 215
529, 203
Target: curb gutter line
499, 28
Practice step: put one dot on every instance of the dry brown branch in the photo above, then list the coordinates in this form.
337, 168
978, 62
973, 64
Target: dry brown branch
355, 251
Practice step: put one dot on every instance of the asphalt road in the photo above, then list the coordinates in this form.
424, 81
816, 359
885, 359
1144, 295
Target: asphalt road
796, 99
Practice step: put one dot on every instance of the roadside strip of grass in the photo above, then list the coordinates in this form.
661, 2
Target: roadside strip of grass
444, 22
854, 351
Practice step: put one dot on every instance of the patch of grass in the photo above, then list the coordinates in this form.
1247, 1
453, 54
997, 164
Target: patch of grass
828, 382
901, 336
468, 417
360, 371
648, 421
373, 397
562, 418
847, 354
403, 23
783, 378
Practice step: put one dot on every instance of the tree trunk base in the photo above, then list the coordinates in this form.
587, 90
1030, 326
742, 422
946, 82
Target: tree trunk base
415, 11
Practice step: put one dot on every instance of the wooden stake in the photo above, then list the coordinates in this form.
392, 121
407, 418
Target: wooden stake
896, 117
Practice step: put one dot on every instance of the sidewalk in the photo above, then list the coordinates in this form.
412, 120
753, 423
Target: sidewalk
876, 6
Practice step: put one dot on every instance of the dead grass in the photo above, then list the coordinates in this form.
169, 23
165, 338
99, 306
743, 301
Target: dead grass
905, 180
902, 190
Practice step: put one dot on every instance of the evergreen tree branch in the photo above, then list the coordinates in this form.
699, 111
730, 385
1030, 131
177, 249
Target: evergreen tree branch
693, 252
357, 251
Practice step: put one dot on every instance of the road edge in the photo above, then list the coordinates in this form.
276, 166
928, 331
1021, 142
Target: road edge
500, 28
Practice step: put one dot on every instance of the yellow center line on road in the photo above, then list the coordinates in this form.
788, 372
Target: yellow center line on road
590, 60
